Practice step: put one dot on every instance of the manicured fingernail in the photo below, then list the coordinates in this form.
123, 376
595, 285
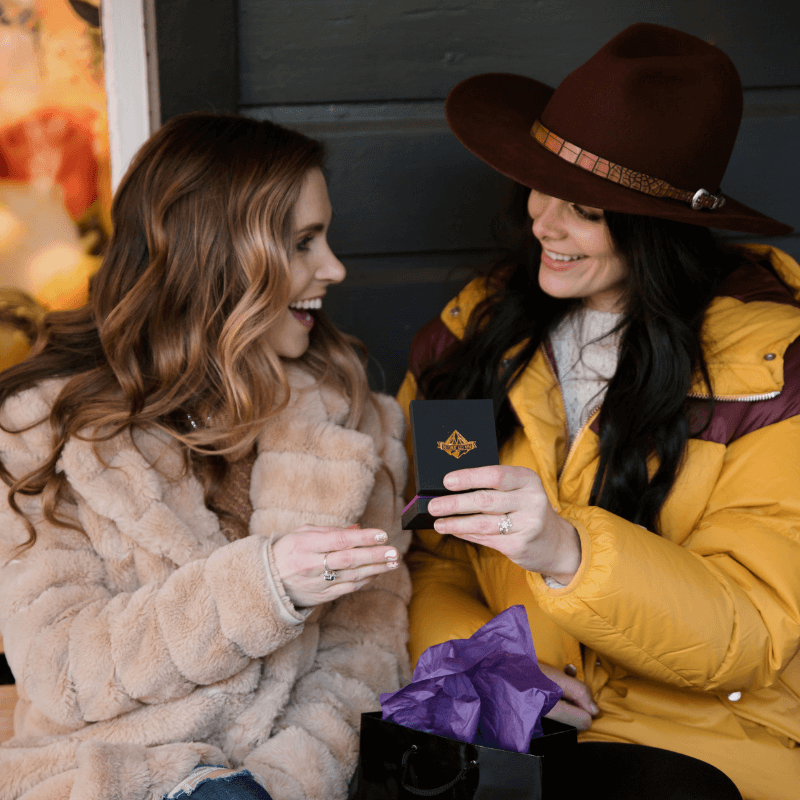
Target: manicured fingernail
450, 481
381, 537
438, 526
392, 565
390, 555
593, 708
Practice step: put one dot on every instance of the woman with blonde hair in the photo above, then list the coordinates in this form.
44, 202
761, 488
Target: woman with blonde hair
201, 586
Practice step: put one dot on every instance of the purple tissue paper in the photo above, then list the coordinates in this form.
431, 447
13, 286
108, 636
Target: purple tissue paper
490, 681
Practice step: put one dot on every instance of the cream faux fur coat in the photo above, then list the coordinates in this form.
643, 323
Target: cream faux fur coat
149, 644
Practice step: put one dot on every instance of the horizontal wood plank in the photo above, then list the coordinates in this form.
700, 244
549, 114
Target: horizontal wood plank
385, 301
311, 51
198, 64
399, 180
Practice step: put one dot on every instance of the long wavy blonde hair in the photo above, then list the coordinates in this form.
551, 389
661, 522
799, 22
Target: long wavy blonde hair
194, 276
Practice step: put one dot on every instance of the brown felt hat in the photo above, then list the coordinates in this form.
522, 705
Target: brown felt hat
646, 126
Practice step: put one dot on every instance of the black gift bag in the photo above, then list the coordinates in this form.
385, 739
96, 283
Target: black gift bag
399, 763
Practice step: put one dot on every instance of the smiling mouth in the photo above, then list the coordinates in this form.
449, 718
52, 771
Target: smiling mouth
301, 310
560, 262
314, 303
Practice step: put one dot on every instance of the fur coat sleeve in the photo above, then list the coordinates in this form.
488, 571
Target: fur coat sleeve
147, 628
145, 606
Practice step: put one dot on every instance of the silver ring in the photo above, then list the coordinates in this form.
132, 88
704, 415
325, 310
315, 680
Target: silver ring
505, 525
328, 574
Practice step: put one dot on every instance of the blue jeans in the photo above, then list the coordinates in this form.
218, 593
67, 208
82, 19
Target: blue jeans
209, 782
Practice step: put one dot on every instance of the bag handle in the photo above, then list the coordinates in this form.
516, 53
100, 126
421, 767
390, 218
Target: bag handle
431, 792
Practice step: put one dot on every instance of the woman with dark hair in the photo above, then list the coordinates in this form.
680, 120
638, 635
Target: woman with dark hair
199, 483
646, 382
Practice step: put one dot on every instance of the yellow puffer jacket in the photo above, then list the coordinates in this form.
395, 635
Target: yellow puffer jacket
689, 640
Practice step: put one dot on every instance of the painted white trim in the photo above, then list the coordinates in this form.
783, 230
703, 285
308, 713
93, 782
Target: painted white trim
126, 72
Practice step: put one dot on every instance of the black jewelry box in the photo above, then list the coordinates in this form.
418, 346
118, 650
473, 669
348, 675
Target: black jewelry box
446, 435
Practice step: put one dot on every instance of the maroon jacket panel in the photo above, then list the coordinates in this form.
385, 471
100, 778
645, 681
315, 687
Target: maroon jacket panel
756, 282
732, 420
430, 343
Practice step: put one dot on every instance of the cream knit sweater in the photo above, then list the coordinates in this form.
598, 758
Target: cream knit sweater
586, 353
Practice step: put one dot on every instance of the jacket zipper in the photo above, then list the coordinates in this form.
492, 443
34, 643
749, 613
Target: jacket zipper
564, 409
558, 383
748, 398
578, 435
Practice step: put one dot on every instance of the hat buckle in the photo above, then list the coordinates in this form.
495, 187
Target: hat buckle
704, 199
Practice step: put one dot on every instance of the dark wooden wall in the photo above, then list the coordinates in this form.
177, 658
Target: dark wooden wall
412, 207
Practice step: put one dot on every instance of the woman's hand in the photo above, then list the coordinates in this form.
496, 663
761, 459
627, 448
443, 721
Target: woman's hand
577, 707
538, 539
352, 553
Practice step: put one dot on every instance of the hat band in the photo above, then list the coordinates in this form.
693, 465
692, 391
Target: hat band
629, 178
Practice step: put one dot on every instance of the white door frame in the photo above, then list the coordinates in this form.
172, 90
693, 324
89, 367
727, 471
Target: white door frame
131, 75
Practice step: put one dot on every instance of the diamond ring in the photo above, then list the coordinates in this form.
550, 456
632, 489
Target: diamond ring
328, 574
505, 524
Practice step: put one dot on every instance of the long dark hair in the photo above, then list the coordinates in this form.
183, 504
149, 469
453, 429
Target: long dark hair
675, 269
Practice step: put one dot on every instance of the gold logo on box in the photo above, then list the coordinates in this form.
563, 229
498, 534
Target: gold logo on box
456, 445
